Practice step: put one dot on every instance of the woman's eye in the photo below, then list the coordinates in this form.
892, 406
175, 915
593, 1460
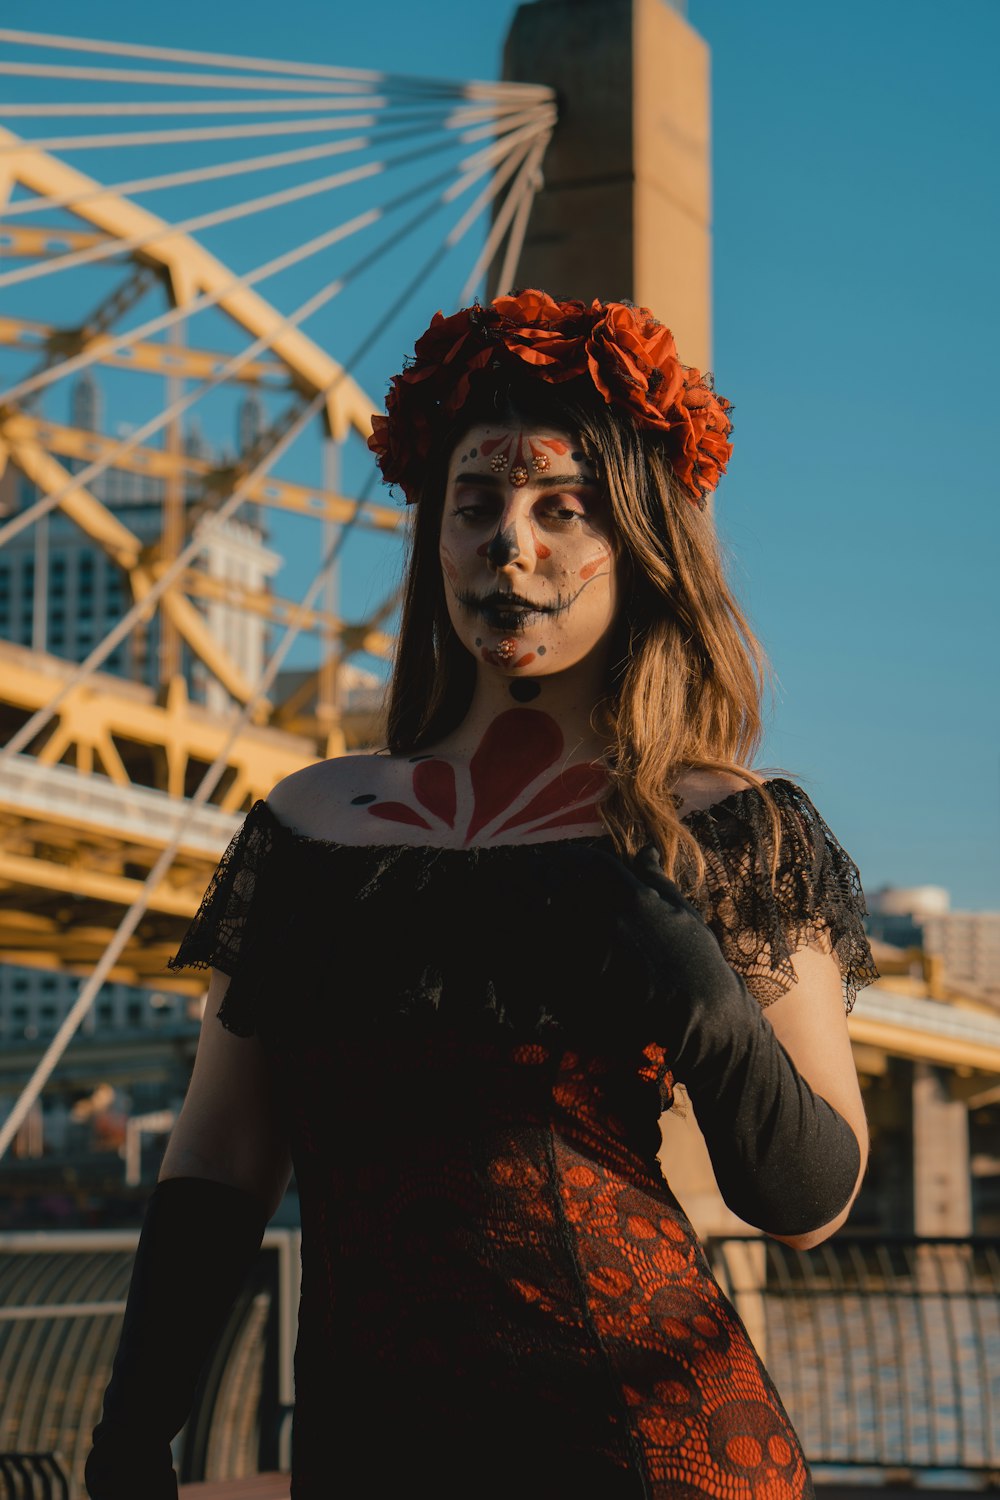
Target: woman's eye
470, 510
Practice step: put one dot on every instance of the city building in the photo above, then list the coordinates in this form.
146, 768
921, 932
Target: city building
964, 946
61, 593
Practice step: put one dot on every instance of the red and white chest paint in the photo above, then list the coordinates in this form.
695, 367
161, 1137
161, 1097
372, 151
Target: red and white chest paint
511, 786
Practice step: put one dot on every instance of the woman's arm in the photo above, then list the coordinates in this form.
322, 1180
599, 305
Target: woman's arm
225, 1170
810, 1023
231, 1128
785, 1159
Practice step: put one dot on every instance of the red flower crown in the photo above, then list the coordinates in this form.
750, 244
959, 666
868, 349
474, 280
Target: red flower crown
630, 358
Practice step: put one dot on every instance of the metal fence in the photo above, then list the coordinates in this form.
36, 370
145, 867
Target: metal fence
886, 1351
62, 1296
33, 1476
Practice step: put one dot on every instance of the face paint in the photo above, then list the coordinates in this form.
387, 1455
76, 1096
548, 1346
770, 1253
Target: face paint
527, 557
503, 548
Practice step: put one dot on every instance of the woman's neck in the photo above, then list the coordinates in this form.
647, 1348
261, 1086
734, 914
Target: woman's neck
567, 699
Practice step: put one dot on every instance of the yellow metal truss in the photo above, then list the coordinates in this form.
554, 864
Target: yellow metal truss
65, 885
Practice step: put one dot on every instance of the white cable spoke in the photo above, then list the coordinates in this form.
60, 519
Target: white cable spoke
507, 142
503, 173
153, 79
464, 113
187, 107
519, 226
186, 135
400, 84
455, 119
527, 119
176, 54
208, 174
250, 64
503, 218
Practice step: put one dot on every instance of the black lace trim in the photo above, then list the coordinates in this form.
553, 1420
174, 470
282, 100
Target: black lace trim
226, 931
255, 914
815, 896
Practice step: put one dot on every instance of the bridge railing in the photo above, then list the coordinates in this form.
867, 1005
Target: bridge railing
886, 1351
62, 1297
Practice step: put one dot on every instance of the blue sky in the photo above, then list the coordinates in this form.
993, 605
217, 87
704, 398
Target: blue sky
856, 330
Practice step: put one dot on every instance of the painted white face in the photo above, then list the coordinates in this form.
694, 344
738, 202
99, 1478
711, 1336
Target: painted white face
527, 550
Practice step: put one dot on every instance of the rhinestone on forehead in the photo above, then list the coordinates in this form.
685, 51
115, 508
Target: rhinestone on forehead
541, 462
498, 463
518, 476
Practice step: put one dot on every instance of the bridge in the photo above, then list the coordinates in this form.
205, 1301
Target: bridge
147, 689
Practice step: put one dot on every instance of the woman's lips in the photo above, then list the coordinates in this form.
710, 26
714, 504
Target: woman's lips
509, 616
505, 612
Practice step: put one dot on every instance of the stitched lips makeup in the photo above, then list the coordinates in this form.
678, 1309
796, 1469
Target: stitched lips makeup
505, 612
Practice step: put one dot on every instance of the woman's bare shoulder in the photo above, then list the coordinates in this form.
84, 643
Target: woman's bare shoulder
700, 789
322, 800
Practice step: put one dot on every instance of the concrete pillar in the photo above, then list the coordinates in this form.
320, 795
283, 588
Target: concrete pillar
942, 1178
624, 212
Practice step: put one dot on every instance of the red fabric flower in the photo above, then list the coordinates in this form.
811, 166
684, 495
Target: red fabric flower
629, 356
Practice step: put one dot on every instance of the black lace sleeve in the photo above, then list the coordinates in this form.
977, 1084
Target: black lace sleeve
227, 929
761, 919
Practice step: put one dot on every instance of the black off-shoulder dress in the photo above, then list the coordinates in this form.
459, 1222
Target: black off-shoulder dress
500, 1294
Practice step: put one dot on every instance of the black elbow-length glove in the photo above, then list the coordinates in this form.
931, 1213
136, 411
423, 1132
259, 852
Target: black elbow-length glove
198, 1243
785, 1160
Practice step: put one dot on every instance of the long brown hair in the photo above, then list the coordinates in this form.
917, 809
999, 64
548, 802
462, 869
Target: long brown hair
688, 674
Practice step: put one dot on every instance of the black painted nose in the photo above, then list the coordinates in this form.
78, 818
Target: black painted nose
503, 549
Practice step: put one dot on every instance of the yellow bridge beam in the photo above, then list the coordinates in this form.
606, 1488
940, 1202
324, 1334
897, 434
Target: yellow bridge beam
299, 499
143, 355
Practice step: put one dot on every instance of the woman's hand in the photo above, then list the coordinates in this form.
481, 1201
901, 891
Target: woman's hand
784, 1158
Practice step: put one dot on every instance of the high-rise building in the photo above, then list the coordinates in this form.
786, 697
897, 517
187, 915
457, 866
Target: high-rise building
61, 593
966, 943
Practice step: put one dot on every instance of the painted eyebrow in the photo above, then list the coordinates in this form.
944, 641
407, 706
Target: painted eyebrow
544, 481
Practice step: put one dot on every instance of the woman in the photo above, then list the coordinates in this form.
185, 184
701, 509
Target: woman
459, 981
